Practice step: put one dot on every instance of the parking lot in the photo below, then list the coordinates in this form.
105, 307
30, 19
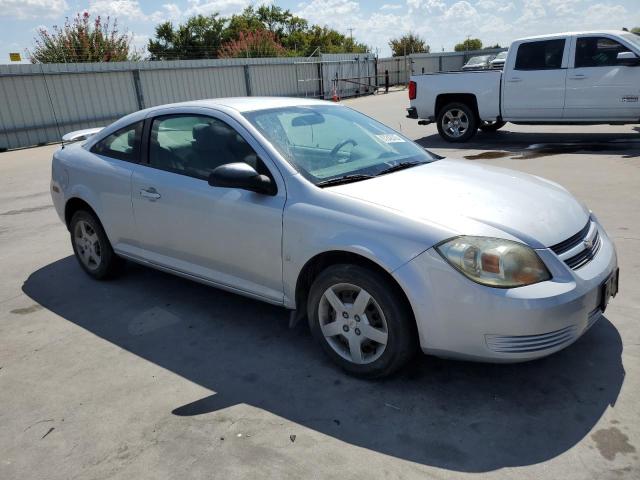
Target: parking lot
153, 376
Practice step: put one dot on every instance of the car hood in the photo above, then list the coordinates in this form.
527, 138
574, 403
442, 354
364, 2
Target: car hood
476, 199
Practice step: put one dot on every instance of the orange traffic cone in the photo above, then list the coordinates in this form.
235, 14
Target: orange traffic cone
334, 94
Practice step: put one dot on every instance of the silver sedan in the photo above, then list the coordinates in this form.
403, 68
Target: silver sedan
384, 247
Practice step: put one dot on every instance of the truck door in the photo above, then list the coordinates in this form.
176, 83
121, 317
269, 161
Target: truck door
600, 85
534, 82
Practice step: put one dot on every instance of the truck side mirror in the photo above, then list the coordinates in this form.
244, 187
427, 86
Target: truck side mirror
629, 59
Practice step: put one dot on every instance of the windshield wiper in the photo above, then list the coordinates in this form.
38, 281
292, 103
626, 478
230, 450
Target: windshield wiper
399, 166
344, 179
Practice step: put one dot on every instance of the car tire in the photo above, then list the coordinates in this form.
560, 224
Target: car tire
457, 122
369, 337
489, 127
92, 247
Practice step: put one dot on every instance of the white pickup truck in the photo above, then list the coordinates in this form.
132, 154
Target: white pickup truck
567, 78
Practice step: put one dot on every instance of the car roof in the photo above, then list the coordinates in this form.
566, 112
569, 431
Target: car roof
248, 104
570, 34
240, 104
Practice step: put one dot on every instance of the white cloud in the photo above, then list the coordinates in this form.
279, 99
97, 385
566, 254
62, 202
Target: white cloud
131, 9
139, 42
493, 6
223, 7
390, 6
430, 6
325, 11
532, 11
564, 7
28, 9
170, 12
121, 9
615, 16
461, 11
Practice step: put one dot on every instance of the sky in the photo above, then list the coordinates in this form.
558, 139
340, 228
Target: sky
442, 23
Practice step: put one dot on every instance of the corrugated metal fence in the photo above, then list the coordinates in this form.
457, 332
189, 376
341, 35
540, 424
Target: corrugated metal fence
39, 103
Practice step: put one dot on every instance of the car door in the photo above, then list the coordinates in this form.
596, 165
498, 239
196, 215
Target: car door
599, 85
227, 236
534, 80
110, 164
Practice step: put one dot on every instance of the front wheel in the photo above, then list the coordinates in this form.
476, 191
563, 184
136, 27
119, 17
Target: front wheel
92, 248
457, 122
361, 321
489, 127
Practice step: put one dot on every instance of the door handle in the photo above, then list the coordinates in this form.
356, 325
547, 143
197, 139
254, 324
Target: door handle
578, 76
150, 194
515, 79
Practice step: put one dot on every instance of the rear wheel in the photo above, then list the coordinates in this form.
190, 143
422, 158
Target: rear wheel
92, 248
489, 127
361, 321
457, 122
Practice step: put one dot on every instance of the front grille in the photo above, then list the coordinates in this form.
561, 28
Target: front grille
585, 256
531, 343
572, 241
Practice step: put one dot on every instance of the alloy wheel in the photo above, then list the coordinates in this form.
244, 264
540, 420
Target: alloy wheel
455, 122
87, 245
353, 323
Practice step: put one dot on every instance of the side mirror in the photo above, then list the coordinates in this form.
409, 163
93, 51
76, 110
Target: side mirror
241, 175
629, 59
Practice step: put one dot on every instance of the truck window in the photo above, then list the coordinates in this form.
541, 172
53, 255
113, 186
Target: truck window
542, 55
597, 52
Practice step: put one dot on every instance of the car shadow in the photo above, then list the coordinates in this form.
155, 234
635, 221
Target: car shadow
455, 415
523, 145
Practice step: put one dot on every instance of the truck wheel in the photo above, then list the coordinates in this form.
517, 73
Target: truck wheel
489, 127
457, 122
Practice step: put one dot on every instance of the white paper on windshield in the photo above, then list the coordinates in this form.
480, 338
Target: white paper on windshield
391, 138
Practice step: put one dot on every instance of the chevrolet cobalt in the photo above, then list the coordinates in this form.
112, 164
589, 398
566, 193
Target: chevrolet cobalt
384, 247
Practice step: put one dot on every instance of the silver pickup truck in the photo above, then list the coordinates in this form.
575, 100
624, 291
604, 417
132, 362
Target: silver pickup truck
568, 78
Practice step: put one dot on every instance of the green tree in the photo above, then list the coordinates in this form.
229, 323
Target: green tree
469, 44
490, 47
260, 43
200, 37
213, 36
636, 30
408, 43
292, 32
83, 40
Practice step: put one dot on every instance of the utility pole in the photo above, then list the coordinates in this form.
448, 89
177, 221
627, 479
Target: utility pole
351, 37
406, 76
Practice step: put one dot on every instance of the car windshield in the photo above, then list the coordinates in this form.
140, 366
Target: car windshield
327, 143
632, 38
478, 60
501, 56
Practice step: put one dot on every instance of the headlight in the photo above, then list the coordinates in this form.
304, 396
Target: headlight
494, 262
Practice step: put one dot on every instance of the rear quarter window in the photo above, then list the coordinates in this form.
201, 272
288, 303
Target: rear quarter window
123, 144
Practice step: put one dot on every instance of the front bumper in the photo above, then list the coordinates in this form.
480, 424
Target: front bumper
458, 318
